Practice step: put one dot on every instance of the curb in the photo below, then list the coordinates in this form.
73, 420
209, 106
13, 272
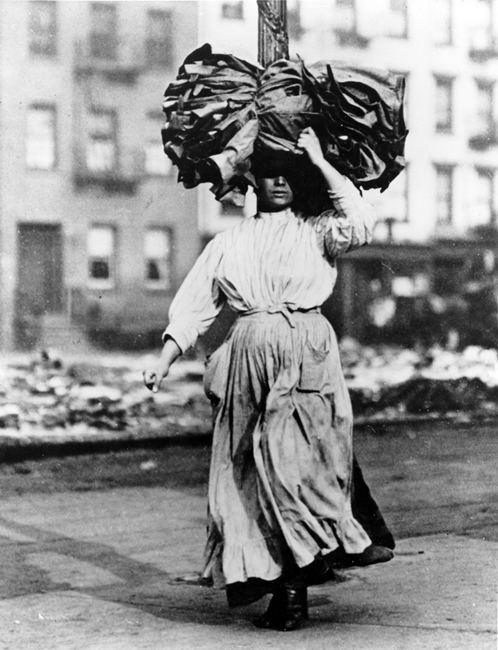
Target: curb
16, 449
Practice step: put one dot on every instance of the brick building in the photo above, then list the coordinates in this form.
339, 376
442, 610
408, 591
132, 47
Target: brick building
436, 234
95, 233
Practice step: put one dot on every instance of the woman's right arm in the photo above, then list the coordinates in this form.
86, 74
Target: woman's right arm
192, 311
154, 376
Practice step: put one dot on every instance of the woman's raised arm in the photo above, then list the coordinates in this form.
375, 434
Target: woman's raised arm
350, 222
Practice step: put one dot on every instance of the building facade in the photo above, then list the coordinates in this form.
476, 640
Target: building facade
95, 233
435, 235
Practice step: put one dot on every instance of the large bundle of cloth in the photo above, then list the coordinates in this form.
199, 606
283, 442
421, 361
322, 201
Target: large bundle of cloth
229, 122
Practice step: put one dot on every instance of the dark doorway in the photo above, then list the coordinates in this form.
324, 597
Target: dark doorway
39, 278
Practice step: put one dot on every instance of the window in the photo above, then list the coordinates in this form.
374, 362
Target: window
444, 195
294, 21
484, 107
398, 22
484, 199
481, 28
41, 137
159, 38
397, 201
392, 206
157, 254
232, 10
483, 129
43, 28
346, 25
345, 18
157, 162
101, 150
103, 30
101, 253
444, 102
442, 22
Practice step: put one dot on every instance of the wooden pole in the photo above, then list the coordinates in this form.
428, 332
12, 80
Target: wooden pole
273, 40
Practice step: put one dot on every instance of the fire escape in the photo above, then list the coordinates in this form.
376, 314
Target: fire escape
105, 67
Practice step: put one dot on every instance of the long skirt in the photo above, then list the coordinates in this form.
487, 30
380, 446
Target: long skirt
281, 468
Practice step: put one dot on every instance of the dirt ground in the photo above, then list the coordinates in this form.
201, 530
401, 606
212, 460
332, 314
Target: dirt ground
427, 479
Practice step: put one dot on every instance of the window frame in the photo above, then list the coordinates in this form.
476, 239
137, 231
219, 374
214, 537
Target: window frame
294, 21
50, 51
153, 45
490, 34
440, 82
488, 85
166, 284
448, 170
102, 283
90, 139
490, 172
157, 118
451, 20
352, 5
52, 108
237, 6
393, 11
111, 40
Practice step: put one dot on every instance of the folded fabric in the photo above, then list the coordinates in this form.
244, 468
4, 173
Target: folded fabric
229, 121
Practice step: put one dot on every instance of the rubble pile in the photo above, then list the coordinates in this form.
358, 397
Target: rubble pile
108, 394
390, 383
44, 393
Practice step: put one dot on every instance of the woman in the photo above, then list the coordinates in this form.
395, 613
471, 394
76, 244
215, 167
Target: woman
280, 480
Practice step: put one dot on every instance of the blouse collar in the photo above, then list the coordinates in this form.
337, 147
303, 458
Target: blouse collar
275, 215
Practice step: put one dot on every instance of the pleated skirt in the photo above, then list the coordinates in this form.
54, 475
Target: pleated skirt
281, 467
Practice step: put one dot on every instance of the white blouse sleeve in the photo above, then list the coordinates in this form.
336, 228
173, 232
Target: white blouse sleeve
348, 225
199, 299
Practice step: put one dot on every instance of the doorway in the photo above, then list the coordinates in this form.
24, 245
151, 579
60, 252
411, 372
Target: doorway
39, 278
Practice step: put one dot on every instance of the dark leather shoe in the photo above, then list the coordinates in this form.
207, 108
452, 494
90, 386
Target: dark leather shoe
373, 554
287, 611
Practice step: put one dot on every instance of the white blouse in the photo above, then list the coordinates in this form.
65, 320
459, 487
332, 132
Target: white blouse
269, 261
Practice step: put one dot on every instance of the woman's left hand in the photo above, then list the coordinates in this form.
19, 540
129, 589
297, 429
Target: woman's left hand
309, 142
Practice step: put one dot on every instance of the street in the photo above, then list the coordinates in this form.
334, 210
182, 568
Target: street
103, 552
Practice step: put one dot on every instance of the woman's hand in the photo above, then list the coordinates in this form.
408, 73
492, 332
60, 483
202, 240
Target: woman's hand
309, 142
154, 376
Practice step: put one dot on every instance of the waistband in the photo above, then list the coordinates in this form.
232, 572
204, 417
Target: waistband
283, 310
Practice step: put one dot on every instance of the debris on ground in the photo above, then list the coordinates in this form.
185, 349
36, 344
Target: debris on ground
47, 393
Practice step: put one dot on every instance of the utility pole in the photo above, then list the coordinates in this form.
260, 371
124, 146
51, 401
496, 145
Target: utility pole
273, 39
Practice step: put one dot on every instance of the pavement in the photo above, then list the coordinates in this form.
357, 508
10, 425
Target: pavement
118, 570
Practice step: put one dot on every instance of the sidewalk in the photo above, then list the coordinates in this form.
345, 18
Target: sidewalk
117, 569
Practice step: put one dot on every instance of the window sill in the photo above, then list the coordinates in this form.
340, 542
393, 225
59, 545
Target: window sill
483, 54
100, 285
157, 288
483, 142
111, 183
351, 38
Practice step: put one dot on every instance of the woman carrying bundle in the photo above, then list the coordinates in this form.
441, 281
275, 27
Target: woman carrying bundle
281, 472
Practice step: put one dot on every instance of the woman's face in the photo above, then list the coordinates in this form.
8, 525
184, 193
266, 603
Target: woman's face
274, 194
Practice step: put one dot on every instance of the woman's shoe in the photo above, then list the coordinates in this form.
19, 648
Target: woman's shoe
373, 554
287, 611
